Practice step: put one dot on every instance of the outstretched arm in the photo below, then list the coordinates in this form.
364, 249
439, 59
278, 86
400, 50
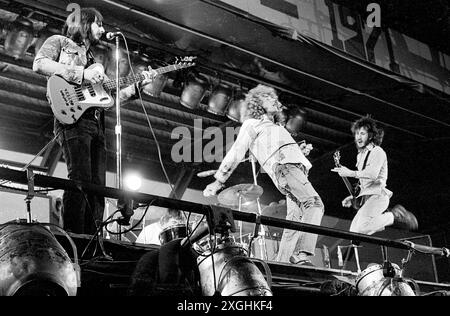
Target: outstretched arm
232, 159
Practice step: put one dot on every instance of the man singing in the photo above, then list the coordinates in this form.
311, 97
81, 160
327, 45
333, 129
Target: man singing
283, 160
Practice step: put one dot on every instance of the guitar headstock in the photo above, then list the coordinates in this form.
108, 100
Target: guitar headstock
337, 158
185, 62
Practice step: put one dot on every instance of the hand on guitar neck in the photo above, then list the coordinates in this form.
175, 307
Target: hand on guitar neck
96, 74
69, 101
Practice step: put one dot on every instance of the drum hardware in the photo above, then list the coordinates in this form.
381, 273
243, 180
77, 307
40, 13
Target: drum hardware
342, 263
220, 220
30, 193
173, 232
373, 282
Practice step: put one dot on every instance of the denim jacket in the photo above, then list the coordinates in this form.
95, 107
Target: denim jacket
59, 55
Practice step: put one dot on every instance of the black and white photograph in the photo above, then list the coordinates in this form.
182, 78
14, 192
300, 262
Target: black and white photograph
213, 152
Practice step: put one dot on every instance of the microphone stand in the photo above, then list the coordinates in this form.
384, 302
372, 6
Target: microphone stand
118, 129
261, 233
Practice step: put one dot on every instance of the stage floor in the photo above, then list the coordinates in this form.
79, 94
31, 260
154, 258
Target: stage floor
112, 275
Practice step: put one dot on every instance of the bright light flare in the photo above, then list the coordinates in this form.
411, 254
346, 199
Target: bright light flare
133, 181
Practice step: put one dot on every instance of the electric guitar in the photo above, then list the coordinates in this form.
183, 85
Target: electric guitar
69, 101
356, 202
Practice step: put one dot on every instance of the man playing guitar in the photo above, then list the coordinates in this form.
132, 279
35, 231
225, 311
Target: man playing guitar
83, 143
372, 172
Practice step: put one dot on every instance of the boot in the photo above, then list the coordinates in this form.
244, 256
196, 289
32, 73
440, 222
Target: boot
404, 219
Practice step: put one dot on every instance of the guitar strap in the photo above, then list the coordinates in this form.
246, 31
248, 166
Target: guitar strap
365, 160
90, 58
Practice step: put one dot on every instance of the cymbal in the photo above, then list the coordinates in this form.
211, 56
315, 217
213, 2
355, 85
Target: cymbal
247, 191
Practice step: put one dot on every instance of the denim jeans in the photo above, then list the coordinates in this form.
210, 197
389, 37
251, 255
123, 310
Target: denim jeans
83, 145
303, 205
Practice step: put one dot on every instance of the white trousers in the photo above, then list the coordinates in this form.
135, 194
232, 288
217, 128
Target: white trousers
370, 218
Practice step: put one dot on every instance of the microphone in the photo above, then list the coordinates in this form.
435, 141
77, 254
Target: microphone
205, 174
110, 35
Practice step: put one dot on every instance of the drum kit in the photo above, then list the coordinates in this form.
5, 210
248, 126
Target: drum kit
245, 198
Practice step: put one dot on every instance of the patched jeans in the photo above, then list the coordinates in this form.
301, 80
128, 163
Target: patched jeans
304, 205
83, 145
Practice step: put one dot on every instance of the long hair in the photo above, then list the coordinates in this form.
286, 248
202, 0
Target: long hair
82, 30
255, 99
376, 134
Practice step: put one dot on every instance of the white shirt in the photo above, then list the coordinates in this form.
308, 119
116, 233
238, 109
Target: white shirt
150, 234
373, 178
268, 142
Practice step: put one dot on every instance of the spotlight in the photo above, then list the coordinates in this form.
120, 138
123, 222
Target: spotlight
19, 37
226, 271
219, 99
296, 120
124, 67
101, 53
375, 281
133, 181
45, 33
236, 108
33, 263
155, 86
194, 91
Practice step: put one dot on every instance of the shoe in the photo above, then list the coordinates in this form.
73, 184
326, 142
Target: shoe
404, 219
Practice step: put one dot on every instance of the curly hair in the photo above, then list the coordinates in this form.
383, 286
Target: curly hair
376, 134
255, 101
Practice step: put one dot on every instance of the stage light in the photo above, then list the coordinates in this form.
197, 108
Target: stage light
133, 181
296, 120
33, 263
45, 33
101, 53
124, 66
19, 37
3, 29
236, 107
194, 91
219, 99
156, 86
229, 272
379, 280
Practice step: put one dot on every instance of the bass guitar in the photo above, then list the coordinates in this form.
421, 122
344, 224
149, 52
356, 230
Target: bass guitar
69, 101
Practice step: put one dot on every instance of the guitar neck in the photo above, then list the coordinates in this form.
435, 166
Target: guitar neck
348, 185
129, 80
